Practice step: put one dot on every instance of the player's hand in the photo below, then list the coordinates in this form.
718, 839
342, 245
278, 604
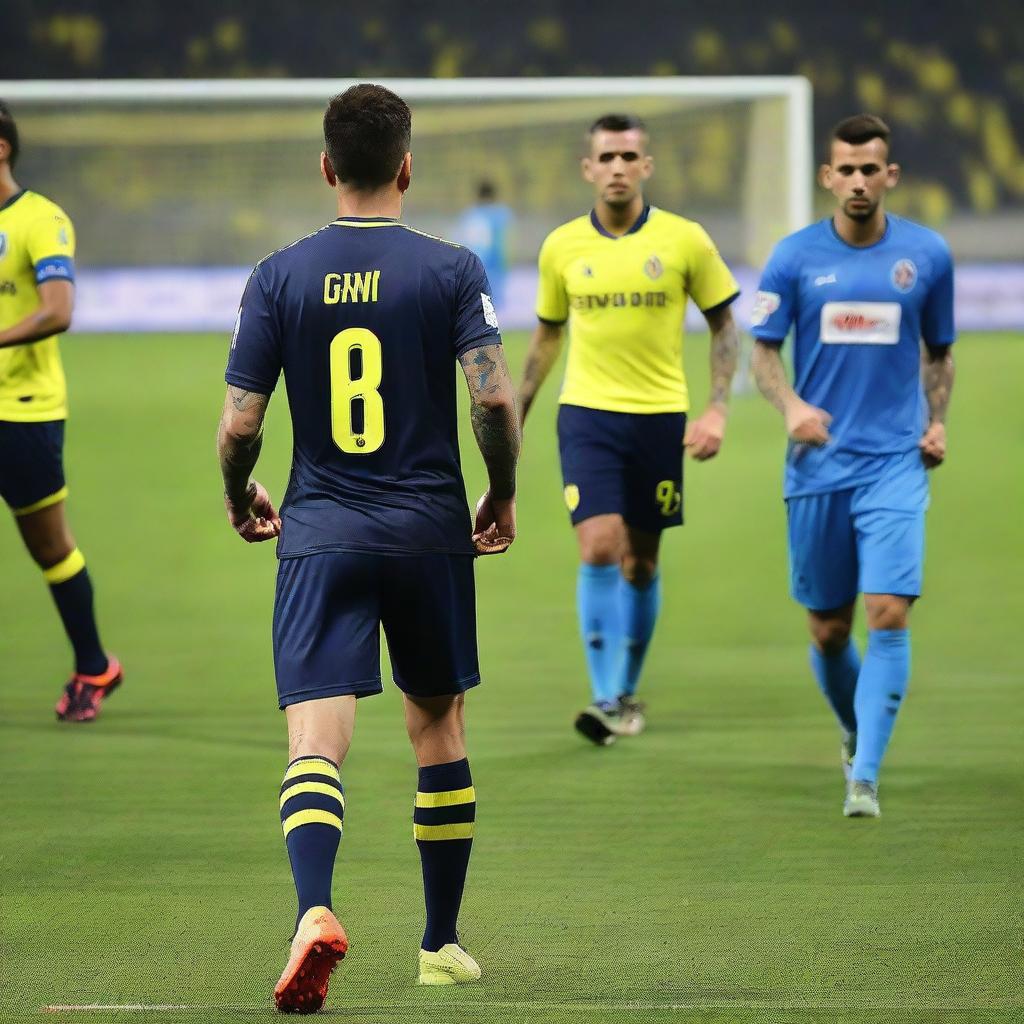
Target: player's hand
495, 526
254, 518
704, 435
933, 445
807, 424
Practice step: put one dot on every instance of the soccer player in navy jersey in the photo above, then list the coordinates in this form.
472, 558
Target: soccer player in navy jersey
865, 417
366, 318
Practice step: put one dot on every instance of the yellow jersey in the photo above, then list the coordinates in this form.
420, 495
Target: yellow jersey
37, 243
625, 300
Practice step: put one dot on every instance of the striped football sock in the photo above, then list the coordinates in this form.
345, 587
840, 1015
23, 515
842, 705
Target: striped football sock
72, 594
443, 828
312, 809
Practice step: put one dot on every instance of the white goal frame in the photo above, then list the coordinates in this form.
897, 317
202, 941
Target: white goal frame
794, 90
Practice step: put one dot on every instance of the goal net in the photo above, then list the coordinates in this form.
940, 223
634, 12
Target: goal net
191, 178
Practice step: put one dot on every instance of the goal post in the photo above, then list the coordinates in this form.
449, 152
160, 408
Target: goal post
188, 175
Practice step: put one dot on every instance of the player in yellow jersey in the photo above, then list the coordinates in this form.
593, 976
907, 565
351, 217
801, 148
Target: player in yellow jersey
37, 291
621, 277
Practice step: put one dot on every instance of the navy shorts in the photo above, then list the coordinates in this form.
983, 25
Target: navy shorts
625, 463
32, 465
329, 609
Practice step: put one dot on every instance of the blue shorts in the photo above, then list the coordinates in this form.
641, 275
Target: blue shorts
625, 463
329, 609
867, 539
32, 465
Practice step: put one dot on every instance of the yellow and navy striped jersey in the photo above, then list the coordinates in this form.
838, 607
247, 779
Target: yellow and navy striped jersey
625, 300
37, 243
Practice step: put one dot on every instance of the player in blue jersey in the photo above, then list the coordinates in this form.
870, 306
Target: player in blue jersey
366, 318
484, 229
865, 417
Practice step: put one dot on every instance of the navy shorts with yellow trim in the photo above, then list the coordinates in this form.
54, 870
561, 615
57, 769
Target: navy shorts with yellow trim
622, 462
31, 465
329, 609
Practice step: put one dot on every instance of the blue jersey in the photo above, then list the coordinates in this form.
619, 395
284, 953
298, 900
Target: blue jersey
366, 318
483, 229
860, 315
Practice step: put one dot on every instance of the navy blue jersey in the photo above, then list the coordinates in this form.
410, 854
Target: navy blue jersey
860, 313
366, 318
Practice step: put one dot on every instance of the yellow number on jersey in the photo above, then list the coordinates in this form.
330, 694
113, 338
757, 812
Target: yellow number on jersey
668, 497
345, 391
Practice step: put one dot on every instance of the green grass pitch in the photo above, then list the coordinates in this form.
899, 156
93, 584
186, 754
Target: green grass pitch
700, 873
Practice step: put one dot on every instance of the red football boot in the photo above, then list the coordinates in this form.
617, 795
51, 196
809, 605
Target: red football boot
84, 694
319, 943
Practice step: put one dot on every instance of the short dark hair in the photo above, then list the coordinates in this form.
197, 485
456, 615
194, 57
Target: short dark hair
617, 123
486, 191
366, 135
859, 129
9, 132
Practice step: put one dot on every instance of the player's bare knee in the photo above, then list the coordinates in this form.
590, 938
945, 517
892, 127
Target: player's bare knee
48, 550
640, 572
886, 611
830, 631
601, 540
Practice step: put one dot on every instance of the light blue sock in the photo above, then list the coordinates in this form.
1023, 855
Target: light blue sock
837, 679
880, 690
597, 600
640, 606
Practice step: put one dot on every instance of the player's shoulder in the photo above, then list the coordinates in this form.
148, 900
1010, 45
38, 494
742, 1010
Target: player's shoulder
571, 232
35, 206
675, 223
802, 246
919, 234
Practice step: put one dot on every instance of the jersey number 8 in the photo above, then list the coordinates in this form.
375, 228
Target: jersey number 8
351, 394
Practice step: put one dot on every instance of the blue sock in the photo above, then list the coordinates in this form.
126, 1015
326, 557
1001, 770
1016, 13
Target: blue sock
640, 606
443, 827
837, 680
597, 600
72, 594
312, 810
880, 690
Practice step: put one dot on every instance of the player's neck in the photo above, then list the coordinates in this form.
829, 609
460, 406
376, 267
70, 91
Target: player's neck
384, 203
8, 186
860, 233
617, 220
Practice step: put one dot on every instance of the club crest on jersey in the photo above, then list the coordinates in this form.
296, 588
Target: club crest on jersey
903, 275
3, 244
653, 268
572, 497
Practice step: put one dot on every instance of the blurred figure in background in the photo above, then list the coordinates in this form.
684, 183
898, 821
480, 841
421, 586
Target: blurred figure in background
484, 228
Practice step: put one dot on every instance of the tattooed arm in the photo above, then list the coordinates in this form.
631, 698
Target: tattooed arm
53, 315
239, 440
938, 371
545, 345
704, 435
805, 423
496, 426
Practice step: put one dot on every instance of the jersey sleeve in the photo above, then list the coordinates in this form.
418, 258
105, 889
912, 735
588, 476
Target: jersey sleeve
254, 361
709, 282
50, 245
937, 325
475, 321
775, 301
552, 298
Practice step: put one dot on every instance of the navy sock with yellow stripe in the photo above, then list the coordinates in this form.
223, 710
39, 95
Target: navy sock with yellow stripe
312, 810
443, 828
72, 594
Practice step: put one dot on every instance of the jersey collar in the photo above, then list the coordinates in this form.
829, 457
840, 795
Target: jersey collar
861, 248
637, 224
366, 222
13, 199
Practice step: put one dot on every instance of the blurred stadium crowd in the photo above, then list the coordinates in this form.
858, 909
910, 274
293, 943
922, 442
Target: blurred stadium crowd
948, 75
